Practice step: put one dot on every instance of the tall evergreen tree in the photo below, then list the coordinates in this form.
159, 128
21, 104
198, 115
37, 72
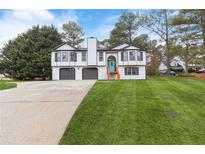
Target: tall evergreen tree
125, 28
73, 33
130, 22
118, 35
154, 51
142, 41
187, 40
29, 55
196, 20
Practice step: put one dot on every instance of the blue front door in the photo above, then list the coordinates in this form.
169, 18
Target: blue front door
112, 66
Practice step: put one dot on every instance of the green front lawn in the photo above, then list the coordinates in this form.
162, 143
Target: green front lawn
153, 111
7, 85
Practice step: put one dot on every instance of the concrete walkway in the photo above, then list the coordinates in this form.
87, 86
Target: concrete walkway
39, 112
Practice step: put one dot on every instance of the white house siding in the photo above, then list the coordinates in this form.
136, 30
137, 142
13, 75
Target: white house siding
101, 63
102, 73
53, 63
79, 59
78, 73
55, 73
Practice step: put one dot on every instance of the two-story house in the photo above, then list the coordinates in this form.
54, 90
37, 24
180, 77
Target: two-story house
95, 62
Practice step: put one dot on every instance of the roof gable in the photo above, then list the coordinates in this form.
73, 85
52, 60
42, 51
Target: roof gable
65, 47
121, 46
126, 46
131, 47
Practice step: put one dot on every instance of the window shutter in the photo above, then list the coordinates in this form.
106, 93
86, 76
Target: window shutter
122, 56
56, 57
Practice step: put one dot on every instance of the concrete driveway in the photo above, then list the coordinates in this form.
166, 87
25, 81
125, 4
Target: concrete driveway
39, 112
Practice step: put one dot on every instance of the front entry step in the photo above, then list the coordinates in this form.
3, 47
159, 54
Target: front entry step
113, 75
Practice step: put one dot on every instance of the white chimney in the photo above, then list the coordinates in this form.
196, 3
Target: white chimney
92, 51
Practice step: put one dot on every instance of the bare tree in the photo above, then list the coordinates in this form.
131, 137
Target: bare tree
158, 22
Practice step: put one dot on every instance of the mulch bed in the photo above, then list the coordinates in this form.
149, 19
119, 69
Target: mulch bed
200, 76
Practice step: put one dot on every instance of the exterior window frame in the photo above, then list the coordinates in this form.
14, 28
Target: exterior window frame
101, 56
65, 53
140, 56
124, 56
130, 70
73, 56
132, 57
84, 56
57, 57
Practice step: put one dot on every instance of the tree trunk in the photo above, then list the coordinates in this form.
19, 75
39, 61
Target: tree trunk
203, 29
130, 37
186, 59
73, 42
203, 36
167, 42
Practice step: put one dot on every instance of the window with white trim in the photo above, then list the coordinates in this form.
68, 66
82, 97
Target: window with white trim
124, 56
57, 56
140, 56
101, 56
132, 55
131, 71
73, 56
64, 56
84, 56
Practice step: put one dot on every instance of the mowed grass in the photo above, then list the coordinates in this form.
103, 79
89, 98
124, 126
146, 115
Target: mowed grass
7, 85
135, 112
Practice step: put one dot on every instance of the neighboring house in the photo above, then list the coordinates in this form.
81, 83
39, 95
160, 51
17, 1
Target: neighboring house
162, 67
178, 64
98, 62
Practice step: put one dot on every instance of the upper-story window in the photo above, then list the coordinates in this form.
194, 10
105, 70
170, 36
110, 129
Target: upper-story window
57, 56
65, 56
83, 56
73, 56
101, 56
132, 55
140, 56
124, 56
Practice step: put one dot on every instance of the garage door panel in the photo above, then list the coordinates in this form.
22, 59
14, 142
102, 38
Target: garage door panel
67, 74
90, 73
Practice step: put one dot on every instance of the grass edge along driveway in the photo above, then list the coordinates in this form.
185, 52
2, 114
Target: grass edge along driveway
7, 84
154, 111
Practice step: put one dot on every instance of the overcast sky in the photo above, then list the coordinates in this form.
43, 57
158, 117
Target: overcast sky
97, 23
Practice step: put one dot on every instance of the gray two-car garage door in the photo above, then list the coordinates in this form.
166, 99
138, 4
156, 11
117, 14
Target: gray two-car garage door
67, 74
90, 74
87, 74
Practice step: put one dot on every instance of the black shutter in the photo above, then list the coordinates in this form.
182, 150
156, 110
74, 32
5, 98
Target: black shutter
122, 56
